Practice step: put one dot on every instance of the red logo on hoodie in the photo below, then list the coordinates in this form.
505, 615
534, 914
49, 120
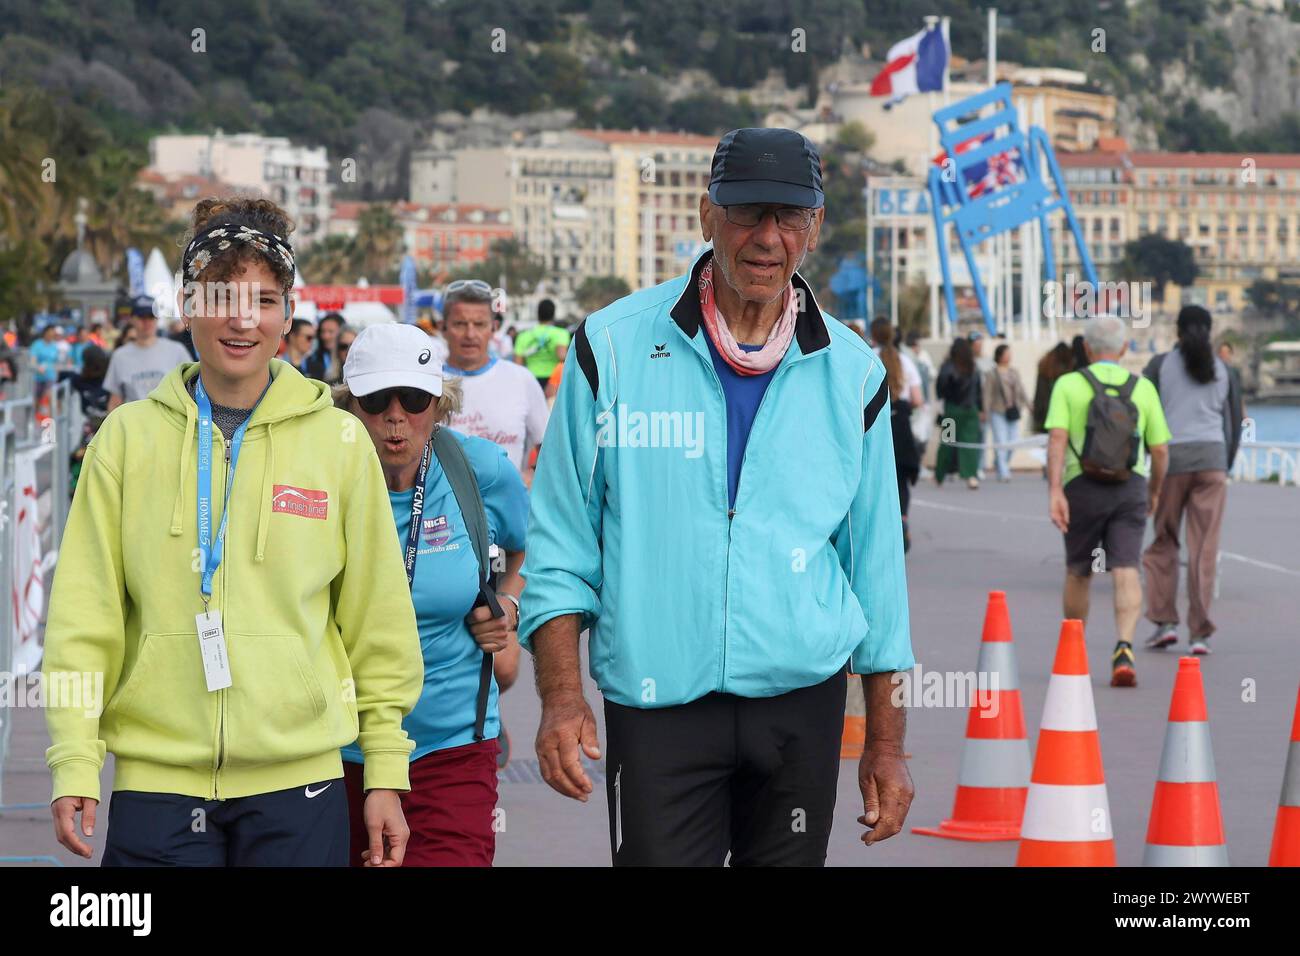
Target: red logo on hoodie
303, 502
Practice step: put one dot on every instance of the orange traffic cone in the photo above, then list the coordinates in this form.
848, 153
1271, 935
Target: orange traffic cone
1286, 833
854, 737
994, 774
1067, 813
1186, 827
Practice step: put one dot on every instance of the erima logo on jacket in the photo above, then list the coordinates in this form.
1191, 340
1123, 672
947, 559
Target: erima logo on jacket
660, 351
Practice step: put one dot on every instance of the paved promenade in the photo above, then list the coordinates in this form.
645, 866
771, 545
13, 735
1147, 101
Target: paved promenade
964, 544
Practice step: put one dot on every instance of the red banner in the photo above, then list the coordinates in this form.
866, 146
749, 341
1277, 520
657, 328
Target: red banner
337, 296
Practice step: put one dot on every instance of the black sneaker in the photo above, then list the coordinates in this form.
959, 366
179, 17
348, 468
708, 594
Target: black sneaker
1123, 666
1165, 634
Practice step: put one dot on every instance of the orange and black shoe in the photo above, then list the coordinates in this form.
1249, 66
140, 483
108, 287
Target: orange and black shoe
1123, 666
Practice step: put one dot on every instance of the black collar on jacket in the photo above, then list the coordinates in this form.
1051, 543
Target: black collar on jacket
809, 326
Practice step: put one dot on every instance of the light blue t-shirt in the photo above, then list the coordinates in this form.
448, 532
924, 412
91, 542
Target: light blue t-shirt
47, 354
446, 586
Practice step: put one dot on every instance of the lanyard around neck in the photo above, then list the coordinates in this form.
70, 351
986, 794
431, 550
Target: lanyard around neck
417, 510
210, 550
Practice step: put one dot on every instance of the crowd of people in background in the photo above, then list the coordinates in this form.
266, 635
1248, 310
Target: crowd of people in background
1187, 411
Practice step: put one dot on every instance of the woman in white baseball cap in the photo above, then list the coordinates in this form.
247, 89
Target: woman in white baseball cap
456, 499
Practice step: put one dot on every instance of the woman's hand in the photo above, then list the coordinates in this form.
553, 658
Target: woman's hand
386, 829
64, 811
492, 634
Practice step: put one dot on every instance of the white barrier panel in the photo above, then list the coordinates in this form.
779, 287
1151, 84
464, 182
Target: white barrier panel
28, 578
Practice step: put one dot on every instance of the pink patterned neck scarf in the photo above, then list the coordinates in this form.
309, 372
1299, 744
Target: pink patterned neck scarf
746, 363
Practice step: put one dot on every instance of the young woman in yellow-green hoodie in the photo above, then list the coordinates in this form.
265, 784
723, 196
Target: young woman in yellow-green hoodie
230, 567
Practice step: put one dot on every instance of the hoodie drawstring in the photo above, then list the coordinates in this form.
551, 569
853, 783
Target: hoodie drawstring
191, 421
264, 512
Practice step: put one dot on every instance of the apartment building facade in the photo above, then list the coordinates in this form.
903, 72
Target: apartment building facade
296, 177
1239, 213
442, 238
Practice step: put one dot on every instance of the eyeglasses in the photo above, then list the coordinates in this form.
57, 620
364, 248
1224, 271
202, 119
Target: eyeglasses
789, 218
478, 285
344, 346
414, 400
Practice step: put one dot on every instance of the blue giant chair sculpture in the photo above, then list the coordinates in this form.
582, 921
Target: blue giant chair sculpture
990, 183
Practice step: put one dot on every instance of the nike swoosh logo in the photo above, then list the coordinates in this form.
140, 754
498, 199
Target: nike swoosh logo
316, 793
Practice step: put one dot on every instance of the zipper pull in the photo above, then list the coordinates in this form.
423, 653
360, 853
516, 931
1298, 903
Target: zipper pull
731, 513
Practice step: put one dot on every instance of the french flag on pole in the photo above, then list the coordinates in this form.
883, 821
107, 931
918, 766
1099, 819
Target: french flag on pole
914, 65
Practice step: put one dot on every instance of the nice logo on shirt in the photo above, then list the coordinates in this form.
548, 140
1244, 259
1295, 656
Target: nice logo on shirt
436, 531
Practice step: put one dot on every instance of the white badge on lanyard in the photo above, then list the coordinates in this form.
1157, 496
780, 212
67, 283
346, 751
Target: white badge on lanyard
212, 648
212, 637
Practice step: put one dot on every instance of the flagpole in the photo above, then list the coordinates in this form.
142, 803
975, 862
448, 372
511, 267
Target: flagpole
993, 46
871, 265
935, 236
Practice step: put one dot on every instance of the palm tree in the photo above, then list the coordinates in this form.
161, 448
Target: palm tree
379, 242
22, 150
330, 260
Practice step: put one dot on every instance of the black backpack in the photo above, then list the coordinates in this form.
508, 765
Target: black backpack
464, 486
1110, 440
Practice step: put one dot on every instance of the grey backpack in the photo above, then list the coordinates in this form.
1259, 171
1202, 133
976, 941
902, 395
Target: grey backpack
1110, 440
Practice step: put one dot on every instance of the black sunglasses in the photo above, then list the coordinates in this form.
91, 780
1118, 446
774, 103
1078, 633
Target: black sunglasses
413, 400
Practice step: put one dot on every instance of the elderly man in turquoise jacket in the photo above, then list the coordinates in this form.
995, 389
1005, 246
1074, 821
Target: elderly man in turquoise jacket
716, 502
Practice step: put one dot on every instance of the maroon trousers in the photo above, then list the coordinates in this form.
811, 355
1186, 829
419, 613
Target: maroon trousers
1200, 496
449, 807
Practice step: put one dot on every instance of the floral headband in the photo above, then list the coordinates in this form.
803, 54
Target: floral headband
220, 238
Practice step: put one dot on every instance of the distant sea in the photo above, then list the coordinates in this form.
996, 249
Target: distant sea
1275, 423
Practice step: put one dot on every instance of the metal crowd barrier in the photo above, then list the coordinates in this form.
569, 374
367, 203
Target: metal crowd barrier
58, 436
1265, 461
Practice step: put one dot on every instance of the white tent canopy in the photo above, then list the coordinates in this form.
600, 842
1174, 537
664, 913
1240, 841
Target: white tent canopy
361, 314
160, 284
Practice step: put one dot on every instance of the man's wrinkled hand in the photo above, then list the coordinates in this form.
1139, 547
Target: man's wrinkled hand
568, 727
887, 792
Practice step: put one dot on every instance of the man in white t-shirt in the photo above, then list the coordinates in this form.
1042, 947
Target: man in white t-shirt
137, 367
502, 401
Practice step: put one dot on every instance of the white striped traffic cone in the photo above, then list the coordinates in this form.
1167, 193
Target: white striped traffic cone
1286, 832
1186, 826
994, 774
1067, 813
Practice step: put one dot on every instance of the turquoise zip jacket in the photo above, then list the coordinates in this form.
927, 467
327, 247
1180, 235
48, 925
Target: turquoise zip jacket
630, 527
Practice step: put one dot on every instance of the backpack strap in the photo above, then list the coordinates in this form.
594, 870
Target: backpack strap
464, 485
1125, 388
1091, 379
1152, 371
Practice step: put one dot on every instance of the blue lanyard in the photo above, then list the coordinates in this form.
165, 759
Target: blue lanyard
209, 550
417, 510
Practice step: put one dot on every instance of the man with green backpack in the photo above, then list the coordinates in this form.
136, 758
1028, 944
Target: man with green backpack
1101, 422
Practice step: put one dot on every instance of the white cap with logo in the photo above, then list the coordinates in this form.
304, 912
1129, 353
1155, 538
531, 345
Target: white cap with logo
392, 355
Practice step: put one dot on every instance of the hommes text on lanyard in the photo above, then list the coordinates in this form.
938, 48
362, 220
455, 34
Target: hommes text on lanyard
210, 549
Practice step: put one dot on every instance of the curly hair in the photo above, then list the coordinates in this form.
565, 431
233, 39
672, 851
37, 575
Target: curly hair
241, 211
